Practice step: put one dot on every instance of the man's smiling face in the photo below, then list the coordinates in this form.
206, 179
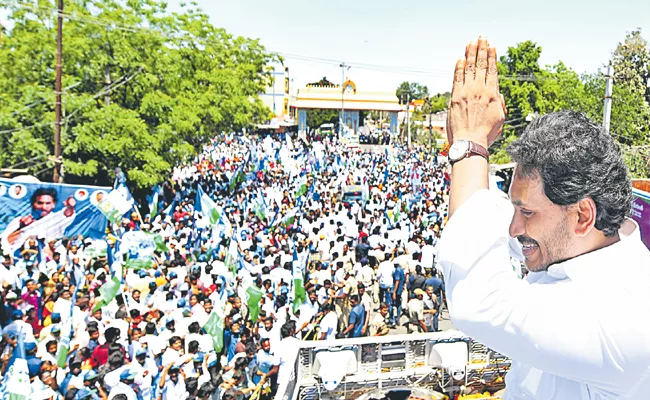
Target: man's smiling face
538, 224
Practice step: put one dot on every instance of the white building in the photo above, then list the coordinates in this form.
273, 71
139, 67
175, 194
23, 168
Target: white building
276, 96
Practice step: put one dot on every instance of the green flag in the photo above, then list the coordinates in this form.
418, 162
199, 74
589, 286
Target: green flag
153, 206
159, 242
299, 295
259, 212
236, 180
108, 292
207, 207
302, 189
135, 262
62, 352
289, 218
214, 328
96, 250
253, 294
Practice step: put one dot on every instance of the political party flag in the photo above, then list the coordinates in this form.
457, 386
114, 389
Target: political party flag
62, 352
16, 384
153, 203
289, 218
302, 189
299, 296
143, 242
236, 179
259, 212
389, 219
170, 207
108, 291
231, 257
214, 328
134, 261
207, 207
115, 205
113, 265
253, 296
95, 250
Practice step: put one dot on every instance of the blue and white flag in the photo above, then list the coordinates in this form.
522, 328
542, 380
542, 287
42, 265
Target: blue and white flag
207, 207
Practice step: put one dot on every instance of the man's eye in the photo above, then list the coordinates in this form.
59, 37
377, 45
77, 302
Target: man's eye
527, 213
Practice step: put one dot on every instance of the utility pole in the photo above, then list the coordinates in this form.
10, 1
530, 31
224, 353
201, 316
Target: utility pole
58, 90
343, 69
607, 109
408, 125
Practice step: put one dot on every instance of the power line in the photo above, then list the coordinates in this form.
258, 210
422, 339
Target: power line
120, 82
440, 73
34, 104
28, 161
27, 128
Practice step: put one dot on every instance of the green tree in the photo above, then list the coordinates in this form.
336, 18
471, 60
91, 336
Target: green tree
530, 90
316, 117
147, 88
408, 91
322, 82
631, 61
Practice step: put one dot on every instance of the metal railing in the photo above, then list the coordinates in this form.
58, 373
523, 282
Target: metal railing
412, 360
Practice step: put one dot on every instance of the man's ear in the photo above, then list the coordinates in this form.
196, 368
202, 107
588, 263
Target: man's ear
585, 211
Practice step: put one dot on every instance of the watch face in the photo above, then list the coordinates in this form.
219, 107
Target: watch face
458, 150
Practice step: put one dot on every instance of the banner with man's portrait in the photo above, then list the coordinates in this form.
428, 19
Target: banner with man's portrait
49, 211
641, 214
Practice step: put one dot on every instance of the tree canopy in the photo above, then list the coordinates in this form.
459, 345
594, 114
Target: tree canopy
144, 88
408, 91
531, 90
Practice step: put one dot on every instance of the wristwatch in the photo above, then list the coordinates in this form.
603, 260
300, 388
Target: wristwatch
466, 148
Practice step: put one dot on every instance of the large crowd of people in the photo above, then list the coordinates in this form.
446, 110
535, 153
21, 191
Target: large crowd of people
267, 241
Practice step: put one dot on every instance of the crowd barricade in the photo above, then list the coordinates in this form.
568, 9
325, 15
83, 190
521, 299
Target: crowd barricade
447, 362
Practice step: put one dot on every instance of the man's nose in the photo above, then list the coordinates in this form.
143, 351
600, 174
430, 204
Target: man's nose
516, 225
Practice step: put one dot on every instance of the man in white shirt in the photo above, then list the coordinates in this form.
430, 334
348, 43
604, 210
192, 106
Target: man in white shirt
385, 278
124, 386
329, 323
570, 197
271, 332
428, 252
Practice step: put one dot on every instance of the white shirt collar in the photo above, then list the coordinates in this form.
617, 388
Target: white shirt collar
599, 261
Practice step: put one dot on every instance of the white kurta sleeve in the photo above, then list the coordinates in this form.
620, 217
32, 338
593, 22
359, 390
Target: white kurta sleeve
552, 327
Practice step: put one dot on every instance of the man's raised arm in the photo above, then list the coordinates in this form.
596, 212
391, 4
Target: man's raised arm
476, 114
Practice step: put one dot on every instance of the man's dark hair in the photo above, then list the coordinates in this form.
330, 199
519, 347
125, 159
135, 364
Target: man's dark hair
251, 348
205, 390
287, 327
43, 192
174, 339
230, 394
111, 334
194, 327
575, 159
191, 385
150, 328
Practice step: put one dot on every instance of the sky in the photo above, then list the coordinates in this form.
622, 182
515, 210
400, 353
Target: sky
390, 42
